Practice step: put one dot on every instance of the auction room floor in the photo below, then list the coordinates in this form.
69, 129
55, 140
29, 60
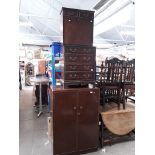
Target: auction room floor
33, 138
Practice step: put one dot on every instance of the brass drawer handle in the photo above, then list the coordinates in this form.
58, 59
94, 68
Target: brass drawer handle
74, 108
91, 92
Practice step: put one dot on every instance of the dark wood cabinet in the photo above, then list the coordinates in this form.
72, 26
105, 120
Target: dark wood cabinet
77, 26
79, 55
75, 120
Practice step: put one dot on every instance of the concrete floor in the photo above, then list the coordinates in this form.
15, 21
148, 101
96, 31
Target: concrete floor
33, 139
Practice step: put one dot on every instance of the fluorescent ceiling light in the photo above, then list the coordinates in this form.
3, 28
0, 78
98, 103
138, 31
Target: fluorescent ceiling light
120, 17
110, 10
27, 24
127, 32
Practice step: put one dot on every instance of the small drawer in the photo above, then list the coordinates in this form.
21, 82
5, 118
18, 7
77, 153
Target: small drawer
86, 14
70, 12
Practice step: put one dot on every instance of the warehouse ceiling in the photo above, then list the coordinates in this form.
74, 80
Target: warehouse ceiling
40, 23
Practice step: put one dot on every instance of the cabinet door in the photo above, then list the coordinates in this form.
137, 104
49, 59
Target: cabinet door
64, 121
88, 131
77, 31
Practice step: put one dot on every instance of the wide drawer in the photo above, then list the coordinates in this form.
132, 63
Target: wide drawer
79, 67
79, 76
79, 49
78, 13
79, 58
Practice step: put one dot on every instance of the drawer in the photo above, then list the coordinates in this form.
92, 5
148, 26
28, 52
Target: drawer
79, 49
79, 58
70, 67
78, 13
79, 76
86, 14
70, 12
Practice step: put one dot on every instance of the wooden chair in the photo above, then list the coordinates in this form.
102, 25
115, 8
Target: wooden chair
128, 80
110, 81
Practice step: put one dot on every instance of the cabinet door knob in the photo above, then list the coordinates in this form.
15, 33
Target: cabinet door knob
74, 108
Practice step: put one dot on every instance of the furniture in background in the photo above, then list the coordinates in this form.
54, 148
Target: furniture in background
41, 80
109, 81
29, 72
116, 79
128, 83
41, 67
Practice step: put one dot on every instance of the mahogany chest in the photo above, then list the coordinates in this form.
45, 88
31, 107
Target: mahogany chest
78, 54
79, 64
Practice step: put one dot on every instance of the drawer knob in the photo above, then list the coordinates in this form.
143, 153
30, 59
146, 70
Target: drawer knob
81, 107
74, 108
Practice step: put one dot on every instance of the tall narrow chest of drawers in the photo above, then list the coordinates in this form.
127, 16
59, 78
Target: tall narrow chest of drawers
79, 64
79, 55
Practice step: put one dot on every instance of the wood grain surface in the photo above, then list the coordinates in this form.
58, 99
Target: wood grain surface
119, 122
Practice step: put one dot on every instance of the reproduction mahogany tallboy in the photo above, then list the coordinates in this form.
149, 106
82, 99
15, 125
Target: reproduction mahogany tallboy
79, 55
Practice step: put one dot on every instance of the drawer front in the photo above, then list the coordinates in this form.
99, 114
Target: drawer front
86, 14
70, 12
70, 67
79, 76
79, 49
79, 58
78, 13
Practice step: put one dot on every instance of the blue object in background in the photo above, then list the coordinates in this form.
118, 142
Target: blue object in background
56, 48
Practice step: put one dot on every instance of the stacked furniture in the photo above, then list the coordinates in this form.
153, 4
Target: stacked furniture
75, 110
79, 55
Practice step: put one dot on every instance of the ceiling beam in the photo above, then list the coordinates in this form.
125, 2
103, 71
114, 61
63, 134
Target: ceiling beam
114, 12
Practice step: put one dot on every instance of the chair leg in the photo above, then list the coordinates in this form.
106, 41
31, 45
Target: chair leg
118, 99
124, 99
